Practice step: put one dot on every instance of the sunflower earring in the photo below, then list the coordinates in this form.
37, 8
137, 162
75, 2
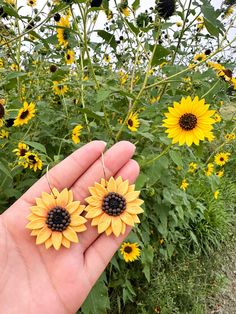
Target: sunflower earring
56, 218
113, 205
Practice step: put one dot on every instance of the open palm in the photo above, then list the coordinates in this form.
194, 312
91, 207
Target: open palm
35, 280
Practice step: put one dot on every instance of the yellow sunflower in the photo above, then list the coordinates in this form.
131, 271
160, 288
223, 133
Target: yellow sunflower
113, 204
220, 173
209, 169
229, 11
63, 32
76, 133
217, 117
221, 158
130, 251
126, 11
184, 185
70, 56
31, 160
192, 167
189, 121
25, 114
200, 57
21, 150
230, 137
133, 122
56, 218
4, 134
59, 88
31, 3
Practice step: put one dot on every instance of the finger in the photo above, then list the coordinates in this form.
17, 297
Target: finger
67, 171
100, 252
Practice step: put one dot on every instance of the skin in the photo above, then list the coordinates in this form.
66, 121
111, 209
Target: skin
35, 280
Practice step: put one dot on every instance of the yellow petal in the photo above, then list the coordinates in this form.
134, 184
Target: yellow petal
119, 180
36, 224
100, 189
48, 243
116, 225
134, 209
35, 232
111, 187
95, 192
48, 200
80, 228
77, 220
33, 217
136, 219
123, 187
43, 235
71, 235
56, 239
93, 200
93, 213
127, 218
104, 225
109, 231
123, 228
131, 196
62, 198
96, 220
72, 207
65, 242
40, 203
70, 196
40, 211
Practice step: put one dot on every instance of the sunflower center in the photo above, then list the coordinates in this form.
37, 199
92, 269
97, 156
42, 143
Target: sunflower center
128, 249
68, 57
222, 159
24, 114
32, 159
130, 122
114, 204
58, 219
23, 152
2, 111
188, 121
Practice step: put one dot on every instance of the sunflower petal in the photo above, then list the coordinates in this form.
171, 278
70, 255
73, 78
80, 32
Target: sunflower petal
123, 228
71, 235
134, 209
93, 213
36, 224
116, 225
43, 235
48, 200
127, 218
131, 196
109, 231
39, 211
35, 232
80, 228
77, 220
123, 187
62, 198
72, 207
48, 243
111, 187
105, 224
65, 242
56, 239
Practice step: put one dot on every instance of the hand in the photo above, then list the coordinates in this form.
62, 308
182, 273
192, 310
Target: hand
36, 280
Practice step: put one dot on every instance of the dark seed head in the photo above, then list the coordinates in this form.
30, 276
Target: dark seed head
128, 249
53, 68
57, 17
58, 219
114, 204
188, 121
24, 114
2, 111
166, 8
96, 3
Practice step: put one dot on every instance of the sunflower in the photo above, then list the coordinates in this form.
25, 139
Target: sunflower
189, 121
113, 204
200, 57
217, 117
107, 58
59, 88
63, 32
184, 185
221, 158
209, 169
31, 3
130, 251
192, 167
220, 173
230, 137
25, 114
31, 160
76, 133
228, 12
56, 218
166, 8
133, 122
200, 24
126, 11
4, 134
123, 77
70, 56
21, 150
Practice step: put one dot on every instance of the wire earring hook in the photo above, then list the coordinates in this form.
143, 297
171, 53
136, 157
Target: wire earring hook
48, 181
103, 168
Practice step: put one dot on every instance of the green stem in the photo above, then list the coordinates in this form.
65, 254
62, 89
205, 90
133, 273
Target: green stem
159, 156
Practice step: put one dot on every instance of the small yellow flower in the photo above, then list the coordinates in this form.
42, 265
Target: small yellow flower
155, 99
21, 150
192, 167
109, 15
221, 158
161, 241
59, 88
184, 185
216, 194
1, 63
133, 122
107, 58
31, 3
220, 173
123, 77
76, 133
230, 137
14, 67
56, 219
209, 170
31, 160
130, 251
200, 57
126, 11
25, 114
217, 117
63, 31
229, 11
179, 24
70, 56
4, 134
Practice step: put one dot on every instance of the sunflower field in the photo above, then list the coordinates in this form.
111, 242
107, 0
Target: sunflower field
162, 77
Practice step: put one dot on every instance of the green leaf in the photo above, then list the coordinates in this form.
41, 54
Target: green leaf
97, 300
14, 75
102, 95
159, 55
38, 146
140, 182
176, 158
109, 38
147, 260
136, 5
4, 169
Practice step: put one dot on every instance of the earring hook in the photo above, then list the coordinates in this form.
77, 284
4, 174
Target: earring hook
48, 181
103, 167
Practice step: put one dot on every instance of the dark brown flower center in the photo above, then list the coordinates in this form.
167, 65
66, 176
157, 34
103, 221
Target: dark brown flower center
24, 114
128, 249
130, 122
58, 219
32, 159
114, 204
68, 57
2, 111
222, 159
188, 121
23, 152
